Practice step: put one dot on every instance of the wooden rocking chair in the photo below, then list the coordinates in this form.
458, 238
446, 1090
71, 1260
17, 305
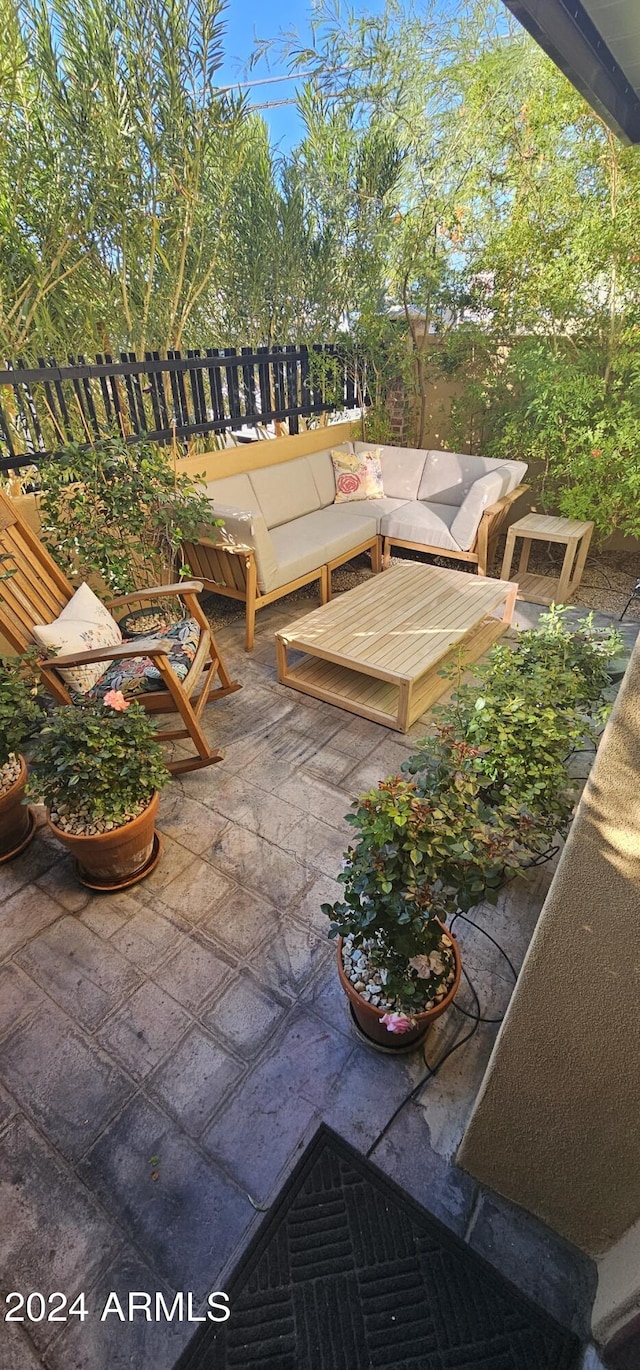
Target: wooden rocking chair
34, 590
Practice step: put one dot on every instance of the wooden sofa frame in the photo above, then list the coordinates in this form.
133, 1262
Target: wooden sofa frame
232, 572
482, 552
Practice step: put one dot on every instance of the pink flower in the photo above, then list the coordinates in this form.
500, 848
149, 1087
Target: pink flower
397, 1022
116, 700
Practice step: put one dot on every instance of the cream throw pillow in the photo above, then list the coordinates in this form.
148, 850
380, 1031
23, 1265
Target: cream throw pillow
357, 476
84, 623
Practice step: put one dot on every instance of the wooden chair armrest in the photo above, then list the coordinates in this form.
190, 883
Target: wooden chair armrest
150, 646
156, 592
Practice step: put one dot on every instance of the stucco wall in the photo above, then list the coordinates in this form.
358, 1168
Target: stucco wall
556, 1126
618, 1295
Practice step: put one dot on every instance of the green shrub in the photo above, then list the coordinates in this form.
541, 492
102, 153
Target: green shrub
425, 848
21, 709
120, 511
99, 758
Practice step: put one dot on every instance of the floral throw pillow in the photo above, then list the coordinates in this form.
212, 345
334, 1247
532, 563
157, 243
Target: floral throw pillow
357, 477
84, 623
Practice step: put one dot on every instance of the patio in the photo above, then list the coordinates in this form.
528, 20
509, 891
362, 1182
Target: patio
167, 1053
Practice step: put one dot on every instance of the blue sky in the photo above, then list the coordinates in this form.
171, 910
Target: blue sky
247, 19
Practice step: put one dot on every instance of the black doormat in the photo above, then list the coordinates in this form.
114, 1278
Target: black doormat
347, 1272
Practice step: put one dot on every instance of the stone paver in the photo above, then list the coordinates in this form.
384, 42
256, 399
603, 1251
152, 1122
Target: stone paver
166, 1053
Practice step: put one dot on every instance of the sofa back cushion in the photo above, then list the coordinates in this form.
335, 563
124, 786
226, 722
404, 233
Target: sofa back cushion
483, 492
233, 491
448, 476
401, 469
322, 471
285, 492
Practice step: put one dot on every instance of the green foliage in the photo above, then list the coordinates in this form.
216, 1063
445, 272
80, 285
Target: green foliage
95, 758
486, 791
553, 406
21, 709
525, 713
425, 848
120, 511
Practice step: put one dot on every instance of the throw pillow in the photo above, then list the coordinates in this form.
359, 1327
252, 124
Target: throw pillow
84, 623
357, 476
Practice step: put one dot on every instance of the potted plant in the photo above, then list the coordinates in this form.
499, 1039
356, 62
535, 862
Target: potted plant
426, 848
20, 714
99, 770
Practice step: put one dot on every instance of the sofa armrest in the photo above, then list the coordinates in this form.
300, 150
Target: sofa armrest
244, 529
483, 493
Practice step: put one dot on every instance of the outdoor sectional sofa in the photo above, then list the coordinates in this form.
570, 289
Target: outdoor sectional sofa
282, 528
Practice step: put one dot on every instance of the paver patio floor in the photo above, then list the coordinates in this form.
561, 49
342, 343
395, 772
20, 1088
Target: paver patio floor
166, 1053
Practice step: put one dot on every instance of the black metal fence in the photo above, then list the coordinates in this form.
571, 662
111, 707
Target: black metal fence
162, 398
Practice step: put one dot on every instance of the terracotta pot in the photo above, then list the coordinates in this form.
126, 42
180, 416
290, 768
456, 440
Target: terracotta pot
109, 860
368, 1016
17, 824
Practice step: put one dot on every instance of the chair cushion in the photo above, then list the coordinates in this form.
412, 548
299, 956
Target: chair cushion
322, 471
308, 543
448, 476
371, 508
358, 476
423, 523
140, 674
401, 469
285, 491
83, 623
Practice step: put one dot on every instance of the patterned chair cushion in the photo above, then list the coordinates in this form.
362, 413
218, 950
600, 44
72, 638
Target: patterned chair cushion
140, 674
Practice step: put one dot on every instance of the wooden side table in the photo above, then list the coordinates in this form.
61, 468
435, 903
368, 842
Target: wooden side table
546, 528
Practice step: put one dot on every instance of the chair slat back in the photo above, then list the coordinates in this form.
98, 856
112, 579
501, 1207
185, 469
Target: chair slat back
35, 590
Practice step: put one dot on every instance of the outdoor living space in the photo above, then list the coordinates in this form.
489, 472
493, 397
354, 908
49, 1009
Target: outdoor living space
168, 1052
319, 685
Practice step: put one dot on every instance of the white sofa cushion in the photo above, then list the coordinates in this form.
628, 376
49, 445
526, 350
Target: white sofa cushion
234, 491
373, 508
448, 476
483, 492
401, 469
309, 542
83, 623
323, 474
243, 528
285, 491
429, 525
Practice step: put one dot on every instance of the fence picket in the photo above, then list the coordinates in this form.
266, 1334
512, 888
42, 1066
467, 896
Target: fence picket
205, 391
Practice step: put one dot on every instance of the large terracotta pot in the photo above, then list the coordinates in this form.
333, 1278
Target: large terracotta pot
111, 860
17, 823
368, 1017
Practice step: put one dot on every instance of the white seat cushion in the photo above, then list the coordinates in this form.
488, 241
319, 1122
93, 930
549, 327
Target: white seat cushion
426, 524
83, 623
373, 508
402, 469
285, 491
309, 542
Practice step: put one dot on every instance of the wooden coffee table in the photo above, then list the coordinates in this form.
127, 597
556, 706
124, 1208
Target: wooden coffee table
378, 650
